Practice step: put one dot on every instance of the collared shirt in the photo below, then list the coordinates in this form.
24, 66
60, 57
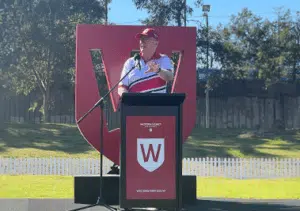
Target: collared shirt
139, 81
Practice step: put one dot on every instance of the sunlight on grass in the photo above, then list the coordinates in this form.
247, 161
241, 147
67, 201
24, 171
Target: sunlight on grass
44, 140
242, 143
27, 186
297, 135
235, 153
36, 187
51, 130
247, 135
291, 153
277, 142
279, 147
253, 188
33, 152
14, 132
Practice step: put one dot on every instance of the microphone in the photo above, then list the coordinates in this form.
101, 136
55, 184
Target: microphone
137, 58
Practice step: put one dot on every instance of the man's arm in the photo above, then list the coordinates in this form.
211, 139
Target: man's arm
123, 85
166, 75
164, 70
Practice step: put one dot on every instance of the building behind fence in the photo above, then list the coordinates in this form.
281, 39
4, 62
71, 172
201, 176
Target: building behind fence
237, 168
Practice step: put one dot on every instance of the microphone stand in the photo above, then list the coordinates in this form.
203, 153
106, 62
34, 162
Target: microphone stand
101, 200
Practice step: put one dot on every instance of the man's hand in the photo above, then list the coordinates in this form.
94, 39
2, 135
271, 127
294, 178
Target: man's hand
122, 90
153, 67
164, 74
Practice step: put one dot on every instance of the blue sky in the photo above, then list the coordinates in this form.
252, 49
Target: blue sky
123, 12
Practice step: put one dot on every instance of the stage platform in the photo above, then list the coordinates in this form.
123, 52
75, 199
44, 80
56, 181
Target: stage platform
86, 189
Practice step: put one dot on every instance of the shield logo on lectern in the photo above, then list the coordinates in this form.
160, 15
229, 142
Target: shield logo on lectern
150, 153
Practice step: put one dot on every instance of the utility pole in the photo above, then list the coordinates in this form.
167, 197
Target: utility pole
206, 9
106, 12
207, 42
185, 13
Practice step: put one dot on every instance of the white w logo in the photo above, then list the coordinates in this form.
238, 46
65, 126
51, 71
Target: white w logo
150, 153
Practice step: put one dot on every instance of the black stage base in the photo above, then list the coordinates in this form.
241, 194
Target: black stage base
86, 189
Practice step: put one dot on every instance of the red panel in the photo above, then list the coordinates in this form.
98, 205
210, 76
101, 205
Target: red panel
151, 172
116, 43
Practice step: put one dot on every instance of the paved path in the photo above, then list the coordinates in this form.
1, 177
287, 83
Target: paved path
213, 204
204, 204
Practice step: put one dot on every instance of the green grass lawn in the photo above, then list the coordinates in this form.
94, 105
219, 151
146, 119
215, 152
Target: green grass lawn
242, 143
62, 187
63, 140
44, 140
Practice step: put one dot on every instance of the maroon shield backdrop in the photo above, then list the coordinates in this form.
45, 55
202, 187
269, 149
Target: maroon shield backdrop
116, 43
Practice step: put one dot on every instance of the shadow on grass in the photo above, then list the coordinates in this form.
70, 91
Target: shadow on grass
240, 143
213, 205
202, 142
51, 137
2, 149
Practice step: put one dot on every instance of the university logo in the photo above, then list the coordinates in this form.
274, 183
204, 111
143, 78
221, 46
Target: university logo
150, 153
115, 50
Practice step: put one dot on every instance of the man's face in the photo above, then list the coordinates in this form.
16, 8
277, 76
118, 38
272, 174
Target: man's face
148, 45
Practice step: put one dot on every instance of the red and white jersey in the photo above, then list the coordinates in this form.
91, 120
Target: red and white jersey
139, 81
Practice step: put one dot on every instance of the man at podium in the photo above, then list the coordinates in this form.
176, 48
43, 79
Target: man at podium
154, 70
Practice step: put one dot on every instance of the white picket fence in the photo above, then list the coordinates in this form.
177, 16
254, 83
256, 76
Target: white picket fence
205, 167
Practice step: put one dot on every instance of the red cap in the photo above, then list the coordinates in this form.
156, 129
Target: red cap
149, 32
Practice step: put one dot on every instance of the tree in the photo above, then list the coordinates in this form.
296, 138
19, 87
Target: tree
38, 43
250, 43
293, 48
165, 12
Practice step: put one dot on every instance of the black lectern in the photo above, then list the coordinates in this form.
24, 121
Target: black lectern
151, 150
150, 125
